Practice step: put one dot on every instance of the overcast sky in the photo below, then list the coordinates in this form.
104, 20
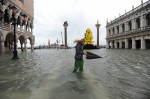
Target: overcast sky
49, 16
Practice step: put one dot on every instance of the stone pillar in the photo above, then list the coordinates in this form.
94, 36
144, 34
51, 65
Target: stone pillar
97, 26
2, 46
10, 15
143, 46
143, 21
111, 31
21, 23
25, 46
32, 47
112, 44
126, 27
120, 44
133, 43
120, 28
115, 44
32, 27
126, 43
108, 44
133, 24
65, 31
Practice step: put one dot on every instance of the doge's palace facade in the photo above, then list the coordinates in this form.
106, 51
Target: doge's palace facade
24, 23
131, 30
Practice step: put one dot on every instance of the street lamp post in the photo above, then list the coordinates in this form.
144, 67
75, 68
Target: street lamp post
15, 53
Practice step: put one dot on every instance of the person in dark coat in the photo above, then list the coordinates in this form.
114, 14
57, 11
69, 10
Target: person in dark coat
79, 55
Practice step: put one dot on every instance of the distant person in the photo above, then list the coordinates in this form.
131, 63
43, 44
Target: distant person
79, 55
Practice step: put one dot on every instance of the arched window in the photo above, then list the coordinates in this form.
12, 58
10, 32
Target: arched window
148, 19
118, 29
123, 28
113, 31
109, 32
138, 22
130, 25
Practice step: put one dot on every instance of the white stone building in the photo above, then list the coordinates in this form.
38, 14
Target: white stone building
131, 30
24, 24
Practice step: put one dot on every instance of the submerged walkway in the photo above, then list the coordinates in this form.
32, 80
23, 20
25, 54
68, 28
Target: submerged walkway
47, 74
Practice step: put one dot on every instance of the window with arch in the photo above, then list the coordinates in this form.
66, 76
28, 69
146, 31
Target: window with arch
123, 28
113, 30
118, 29
130, 25
109, 32
138, 22
148, 19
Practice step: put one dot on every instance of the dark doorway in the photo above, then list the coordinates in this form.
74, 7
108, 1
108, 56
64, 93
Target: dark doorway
130, 43
138, 44
147, 43
117, 44
123, 44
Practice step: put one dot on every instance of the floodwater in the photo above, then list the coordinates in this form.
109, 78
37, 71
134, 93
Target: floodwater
47, 74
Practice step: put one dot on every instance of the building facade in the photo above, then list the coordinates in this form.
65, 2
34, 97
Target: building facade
23, 11
131, 30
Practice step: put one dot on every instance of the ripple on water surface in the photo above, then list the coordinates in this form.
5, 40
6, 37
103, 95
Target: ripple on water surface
47, 74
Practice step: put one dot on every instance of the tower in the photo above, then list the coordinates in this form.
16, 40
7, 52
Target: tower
65, 31
97, 26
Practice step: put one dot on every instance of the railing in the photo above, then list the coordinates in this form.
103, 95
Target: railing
11, 27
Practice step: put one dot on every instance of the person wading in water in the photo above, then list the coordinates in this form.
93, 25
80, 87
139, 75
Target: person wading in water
79, 55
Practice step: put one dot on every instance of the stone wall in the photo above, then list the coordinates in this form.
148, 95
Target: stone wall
27, 6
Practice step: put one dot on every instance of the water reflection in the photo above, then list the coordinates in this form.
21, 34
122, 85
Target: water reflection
47, 74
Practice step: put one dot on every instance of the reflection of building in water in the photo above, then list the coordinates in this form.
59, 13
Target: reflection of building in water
24, 19
131, 30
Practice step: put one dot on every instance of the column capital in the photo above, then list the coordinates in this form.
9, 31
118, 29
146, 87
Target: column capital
97, 25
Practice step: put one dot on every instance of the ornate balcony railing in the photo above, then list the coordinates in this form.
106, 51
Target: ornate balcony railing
10, 27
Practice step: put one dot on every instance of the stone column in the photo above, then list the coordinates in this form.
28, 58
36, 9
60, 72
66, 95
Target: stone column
120, 44
10, 15
133, 43
25, 46
21, 23
126, 43
97, 26
133, 24
115, 44
143, 46
2, 46
120, 28
32, 27
143, 21
32, 47
29, 25
65, 30
107, 32
126, 27
108, 44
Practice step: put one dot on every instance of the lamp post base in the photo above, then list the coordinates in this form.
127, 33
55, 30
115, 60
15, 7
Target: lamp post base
15, 56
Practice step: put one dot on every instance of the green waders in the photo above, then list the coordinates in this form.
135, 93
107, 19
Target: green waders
78, 65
